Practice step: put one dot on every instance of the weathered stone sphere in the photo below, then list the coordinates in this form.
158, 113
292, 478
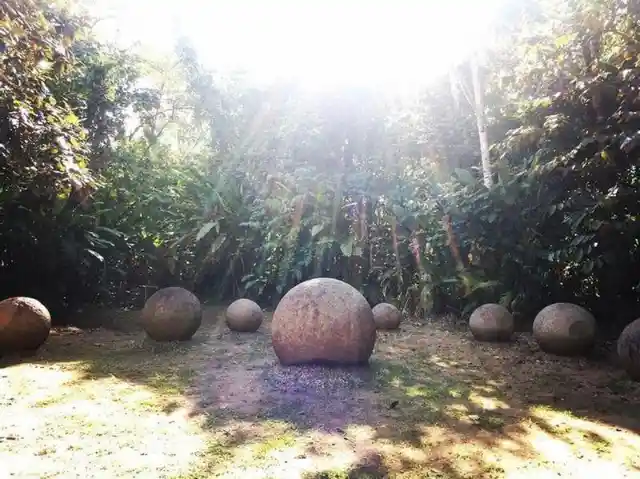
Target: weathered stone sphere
629, 349
323, 320
386, 316
25, 324
244, 315
564, 329
491, 322
171, 314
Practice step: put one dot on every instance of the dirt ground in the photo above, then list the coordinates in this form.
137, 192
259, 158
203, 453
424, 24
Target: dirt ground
433, 404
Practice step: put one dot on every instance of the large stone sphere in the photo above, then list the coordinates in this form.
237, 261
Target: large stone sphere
171, 314
491, 322
323, 320
564, 329
629, 349
244, 315
25, 324
386, 316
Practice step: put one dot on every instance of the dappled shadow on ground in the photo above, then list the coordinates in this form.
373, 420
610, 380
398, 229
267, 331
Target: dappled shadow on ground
497, 412
436, 402
433, 403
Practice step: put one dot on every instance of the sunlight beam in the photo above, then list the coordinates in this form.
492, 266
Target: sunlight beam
398, 45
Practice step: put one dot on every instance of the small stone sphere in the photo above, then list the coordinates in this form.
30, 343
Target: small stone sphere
629, 349
491, 322
323, 321
386, 316
25, 324
564, 329
172, 314
244, 315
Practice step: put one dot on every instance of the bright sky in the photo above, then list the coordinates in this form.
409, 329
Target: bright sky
395, 44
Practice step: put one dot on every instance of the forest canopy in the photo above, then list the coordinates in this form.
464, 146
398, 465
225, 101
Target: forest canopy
120, 171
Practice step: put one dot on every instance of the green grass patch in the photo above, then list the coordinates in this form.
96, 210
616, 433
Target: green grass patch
49, 401
600, 444
333, 474
212, 459
415, 392
489, 421
278, 443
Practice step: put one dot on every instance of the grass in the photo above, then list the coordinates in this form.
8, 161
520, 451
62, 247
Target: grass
215, 455
433, 404
273, 444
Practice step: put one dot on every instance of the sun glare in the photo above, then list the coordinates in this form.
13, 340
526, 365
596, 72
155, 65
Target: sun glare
397, 45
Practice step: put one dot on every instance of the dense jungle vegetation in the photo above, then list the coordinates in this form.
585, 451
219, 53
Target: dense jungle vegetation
119, 172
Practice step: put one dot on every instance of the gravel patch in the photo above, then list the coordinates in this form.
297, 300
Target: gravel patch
319, 397
316, 380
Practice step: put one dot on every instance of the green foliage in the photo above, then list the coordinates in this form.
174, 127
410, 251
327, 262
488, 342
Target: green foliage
562, 222
229, 189
41, 141
55, 119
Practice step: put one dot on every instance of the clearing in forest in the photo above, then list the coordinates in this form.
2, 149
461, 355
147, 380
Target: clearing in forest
433, 404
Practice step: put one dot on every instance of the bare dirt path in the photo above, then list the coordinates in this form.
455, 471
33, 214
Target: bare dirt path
433, 404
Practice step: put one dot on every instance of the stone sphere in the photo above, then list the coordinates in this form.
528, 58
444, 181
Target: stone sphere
629, 349
491, 322
564, 329
325, 321
244, 315
25, 324
171, 314
386, 316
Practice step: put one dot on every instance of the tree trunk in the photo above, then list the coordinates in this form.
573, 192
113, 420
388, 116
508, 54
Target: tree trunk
478, 95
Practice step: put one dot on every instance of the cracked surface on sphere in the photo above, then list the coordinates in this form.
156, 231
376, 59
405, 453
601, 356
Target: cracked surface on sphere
172, 314
629, 349
564, 329
25, 324
324, 321
491, 322
244, 315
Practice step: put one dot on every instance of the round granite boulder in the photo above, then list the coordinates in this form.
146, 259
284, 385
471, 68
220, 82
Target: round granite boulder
564, 329
491, 322
629, 349
325, 321
386, 316
244, 315
172, 314
25, 324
